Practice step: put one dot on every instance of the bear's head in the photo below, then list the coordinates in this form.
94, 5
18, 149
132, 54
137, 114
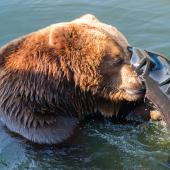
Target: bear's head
98, 58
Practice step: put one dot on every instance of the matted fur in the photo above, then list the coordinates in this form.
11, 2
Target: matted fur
50, 78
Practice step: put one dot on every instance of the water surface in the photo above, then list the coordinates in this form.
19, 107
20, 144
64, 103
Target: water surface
99, 145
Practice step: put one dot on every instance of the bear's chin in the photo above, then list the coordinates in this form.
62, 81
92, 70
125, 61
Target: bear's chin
133, 97
124, 95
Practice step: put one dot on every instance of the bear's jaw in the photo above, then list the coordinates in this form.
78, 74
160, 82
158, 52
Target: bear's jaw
133, 94
111, 106
126, 95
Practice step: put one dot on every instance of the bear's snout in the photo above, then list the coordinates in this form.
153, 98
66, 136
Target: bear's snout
131, 85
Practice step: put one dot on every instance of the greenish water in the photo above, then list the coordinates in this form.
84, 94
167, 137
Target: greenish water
98, 145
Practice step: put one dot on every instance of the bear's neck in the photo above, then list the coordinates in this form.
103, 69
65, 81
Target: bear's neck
45, 95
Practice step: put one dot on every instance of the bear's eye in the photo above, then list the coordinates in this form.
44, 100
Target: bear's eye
117, 61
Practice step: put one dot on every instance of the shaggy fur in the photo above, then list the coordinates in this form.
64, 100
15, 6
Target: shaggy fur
50, 78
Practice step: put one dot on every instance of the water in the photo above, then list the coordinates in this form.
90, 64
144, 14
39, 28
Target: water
98, 145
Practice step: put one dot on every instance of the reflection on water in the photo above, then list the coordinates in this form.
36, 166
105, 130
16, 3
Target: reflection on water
98, 145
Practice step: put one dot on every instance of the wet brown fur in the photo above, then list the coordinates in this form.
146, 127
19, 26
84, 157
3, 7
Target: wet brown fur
64, 70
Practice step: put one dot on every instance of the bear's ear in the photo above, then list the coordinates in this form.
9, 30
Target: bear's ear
60, 37
88, 17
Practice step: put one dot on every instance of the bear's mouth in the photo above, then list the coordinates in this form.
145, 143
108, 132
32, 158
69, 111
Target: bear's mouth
135, 91
133, 94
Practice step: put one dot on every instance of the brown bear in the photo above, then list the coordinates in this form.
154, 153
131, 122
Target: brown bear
51, 78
